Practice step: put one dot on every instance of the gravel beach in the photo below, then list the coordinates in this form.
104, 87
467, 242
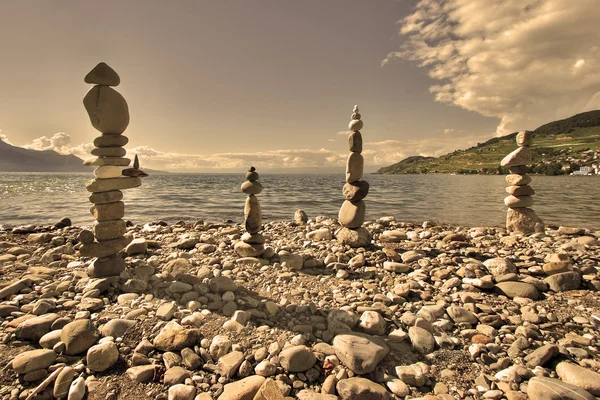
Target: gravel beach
426, 311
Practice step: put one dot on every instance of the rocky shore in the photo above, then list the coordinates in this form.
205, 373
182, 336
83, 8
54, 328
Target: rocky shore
426, 311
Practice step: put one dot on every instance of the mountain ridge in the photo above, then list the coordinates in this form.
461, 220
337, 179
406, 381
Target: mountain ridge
558, 147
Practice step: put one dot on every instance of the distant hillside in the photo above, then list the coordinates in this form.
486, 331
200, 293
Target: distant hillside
558, 147
18, 159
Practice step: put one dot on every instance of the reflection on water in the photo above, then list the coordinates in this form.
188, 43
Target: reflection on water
468, 200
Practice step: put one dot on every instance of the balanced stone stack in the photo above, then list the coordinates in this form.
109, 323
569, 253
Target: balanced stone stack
252, 242
109, 114
352, 212
520, 218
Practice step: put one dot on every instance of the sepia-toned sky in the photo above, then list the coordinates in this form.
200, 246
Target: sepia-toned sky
217, 86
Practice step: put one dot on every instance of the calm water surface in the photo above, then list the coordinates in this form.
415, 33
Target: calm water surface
468, 200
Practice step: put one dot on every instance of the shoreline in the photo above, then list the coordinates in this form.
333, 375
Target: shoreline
439, 310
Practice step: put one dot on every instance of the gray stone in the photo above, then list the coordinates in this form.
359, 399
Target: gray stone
361, 389
355, 125
33, 360
518, 202
109, 152
63, 382
106, 197
354, 167
352, 214
579, 376
253, 187
142, 373
359, 237
244, 389
108, 211
359, 352
523, 190
541, 355
174, 337
111, 141
300, 217
518, 180
107, 109
542, 388
104, 75
422, 340
107, 266
244, 249
109, 230
524, 138
356, 190
517, 289
252, 214
523, 220
34, 328
78, 336
137, 246
564, 281
116, 327
520, 156
297, 359
107, 185
102, 356
355, 142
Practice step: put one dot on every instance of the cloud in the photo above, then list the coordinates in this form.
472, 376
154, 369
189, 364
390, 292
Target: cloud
4, 138
526, 62
60, 142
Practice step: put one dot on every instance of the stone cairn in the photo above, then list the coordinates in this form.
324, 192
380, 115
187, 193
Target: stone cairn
252, 242
109, 114
352, 212
520, 218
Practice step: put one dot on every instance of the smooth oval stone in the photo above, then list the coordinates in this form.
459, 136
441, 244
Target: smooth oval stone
255, 238
111, 141
524, 138
355, 115
518, 180
107, 185
252, 187
107, 109
102, 74
521, 156
356, 191
352, 214
110, 229
109, 152
579, 376
252, 176
355, 125
106, 197
354, 167
244, 249
518, 202
100, 161
63, 382
542, 388
252, 214
518, 289
355, 142
524, 190
108, 211
107, 171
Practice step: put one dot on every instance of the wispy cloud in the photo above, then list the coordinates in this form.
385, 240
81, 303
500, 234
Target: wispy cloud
526, 62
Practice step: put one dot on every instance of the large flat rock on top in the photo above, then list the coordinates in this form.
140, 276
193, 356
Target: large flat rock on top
360, 352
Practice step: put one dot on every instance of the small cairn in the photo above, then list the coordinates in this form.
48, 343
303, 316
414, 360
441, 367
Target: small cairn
109, 114
352, 212
252, 242
520, 218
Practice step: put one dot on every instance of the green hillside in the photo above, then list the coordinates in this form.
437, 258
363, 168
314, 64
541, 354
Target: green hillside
558, 148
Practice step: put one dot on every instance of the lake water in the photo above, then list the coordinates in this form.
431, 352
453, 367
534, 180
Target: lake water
468, 200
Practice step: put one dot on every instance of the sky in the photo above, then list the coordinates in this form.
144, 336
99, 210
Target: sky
217, 86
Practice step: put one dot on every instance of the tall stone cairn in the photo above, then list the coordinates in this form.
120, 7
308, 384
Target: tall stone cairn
109, 114
352, 212
252, 242
520, 218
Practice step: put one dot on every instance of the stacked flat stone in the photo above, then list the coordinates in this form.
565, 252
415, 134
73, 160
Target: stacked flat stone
109, 114
252, 242
352, 212
520, 217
